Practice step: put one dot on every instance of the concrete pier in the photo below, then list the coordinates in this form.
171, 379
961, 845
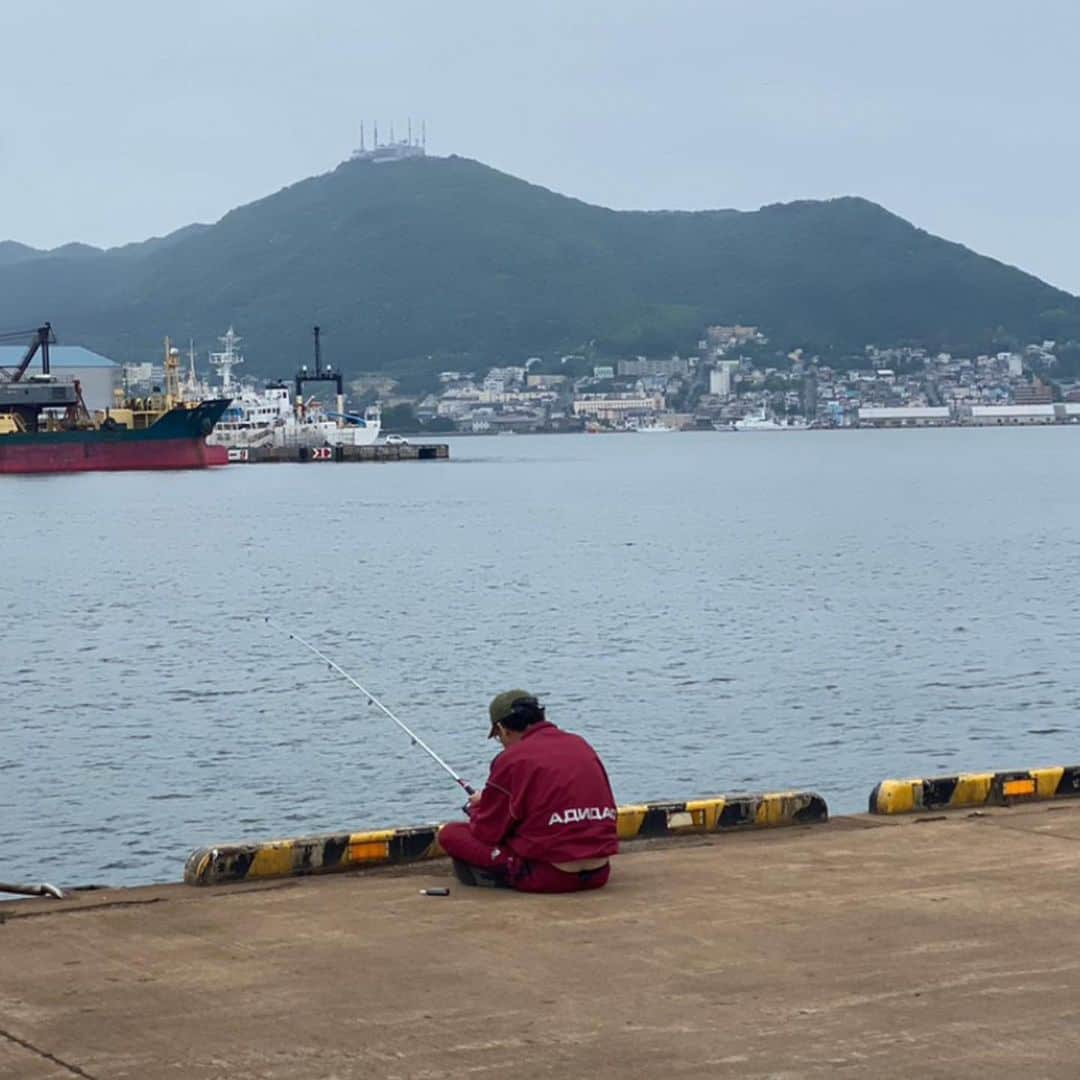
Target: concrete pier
933, 945
381, 452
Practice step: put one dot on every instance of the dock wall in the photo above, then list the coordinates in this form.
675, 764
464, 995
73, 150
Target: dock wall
353, 850
938, 946
350, 851
378, 452
975, 789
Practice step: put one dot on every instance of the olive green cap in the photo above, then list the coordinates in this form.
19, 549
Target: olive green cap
502, 705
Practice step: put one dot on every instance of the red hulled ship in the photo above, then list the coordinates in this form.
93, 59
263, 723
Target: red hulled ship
45, 426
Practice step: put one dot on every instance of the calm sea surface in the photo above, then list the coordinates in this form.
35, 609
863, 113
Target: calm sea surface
716, 613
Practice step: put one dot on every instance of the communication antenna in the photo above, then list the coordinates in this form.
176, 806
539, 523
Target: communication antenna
423, 134
376, 134
228, 358
410, 131
361, 134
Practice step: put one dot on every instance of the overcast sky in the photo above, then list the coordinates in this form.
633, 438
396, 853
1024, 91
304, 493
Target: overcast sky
122, 120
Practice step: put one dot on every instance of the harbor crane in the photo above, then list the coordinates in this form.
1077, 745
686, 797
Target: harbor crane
42, 339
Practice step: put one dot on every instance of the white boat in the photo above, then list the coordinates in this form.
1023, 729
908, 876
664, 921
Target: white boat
757, 422
652, 428
270, 417
310, 425
761, 421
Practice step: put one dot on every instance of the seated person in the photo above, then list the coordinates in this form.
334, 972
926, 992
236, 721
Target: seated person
546, 820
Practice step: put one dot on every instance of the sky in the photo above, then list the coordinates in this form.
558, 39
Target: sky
124, 120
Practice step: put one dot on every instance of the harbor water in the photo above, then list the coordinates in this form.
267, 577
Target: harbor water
715, 612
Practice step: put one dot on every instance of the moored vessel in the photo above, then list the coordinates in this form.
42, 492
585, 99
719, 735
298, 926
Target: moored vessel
269, 417
761, 421
45, 426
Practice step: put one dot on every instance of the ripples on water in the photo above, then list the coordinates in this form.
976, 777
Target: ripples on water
714, 612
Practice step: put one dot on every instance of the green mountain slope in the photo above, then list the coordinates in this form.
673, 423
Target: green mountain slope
11, 251
411, 264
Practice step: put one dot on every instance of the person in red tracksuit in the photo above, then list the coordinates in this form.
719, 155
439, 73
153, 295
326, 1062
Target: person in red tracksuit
546, 820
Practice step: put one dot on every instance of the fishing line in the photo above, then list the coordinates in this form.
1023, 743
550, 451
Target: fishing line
373, 700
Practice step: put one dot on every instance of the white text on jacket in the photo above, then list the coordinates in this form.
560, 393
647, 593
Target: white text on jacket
582, 813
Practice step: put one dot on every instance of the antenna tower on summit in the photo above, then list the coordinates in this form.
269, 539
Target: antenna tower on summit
394, 150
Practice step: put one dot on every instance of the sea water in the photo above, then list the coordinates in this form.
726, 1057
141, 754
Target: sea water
714, 612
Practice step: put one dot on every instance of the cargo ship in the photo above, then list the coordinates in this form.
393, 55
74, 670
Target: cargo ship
46, 428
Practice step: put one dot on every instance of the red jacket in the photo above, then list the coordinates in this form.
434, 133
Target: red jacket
548, 798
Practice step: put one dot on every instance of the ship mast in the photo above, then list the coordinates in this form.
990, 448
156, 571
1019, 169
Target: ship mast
227, 359
172, 374
193, 379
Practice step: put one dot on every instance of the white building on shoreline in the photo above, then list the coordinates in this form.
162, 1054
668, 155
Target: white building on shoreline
905, 416
618, 407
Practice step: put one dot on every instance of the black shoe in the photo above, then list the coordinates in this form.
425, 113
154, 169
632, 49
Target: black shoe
473, 875
464, 873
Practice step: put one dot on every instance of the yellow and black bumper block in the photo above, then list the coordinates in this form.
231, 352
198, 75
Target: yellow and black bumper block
975, 789
721, 814
353, 851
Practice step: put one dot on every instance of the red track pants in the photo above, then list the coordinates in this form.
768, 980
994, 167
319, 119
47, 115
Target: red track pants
524, 875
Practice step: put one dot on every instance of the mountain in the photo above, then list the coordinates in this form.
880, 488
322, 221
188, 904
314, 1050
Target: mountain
159, 243
414, 265
11, 251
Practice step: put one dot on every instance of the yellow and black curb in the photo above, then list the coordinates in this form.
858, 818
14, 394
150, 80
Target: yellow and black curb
975, 789
351, 851
721, 814
310, 855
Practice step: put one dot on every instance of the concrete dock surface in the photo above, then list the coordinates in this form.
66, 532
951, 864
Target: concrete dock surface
932, 946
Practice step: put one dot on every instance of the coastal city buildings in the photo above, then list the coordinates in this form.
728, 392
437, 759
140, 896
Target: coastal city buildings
736, 381
737, 375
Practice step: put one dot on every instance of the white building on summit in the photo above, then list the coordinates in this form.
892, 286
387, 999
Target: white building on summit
395, 149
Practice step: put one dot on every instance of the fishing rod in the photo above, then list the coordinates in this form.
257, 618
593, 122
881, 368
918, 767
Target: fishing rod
373, 700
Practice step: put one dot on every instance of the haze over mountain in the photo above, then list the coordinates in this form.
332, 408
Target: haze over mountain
421, 264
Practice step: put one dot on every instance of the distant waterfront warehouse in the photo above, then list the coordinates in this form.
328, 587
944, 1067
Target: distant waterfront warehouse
907, 416
98, 375
979, 415
1012, 414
